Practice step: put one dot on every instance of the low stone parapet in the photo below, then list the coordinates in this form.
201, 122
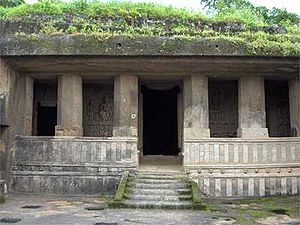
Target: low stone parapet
68, 165
238, 168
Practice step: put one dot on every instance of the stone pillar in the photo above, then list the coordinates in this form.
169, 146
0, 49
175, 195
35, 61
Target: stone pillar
252, 113
25, 105
195, 104
294, 89
125, 106
69, 109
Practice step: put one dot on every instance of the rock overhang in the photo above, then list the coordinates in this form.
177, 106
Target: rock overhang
222, 39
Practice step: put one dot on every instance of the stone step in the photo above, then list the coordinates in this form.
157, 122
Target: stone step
151, 191
158, 174
158, 181
171, 198
158, 190
159, 177
158, 185
158, 204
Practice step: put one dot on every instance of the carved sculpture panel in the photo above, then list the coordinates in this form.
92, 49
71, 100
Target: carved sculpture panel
97, 111
223, 108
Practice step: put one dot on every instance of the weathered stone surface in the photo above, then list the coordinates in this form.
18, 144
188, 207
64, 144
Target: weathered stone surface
98, 110
242, 152
96, 207
71, 210
3, 114
160, 190
25, 105
228, 26
244, 167
118, 45
125, 106
71, 165
252, 113
196, 112
223, 108
294, 90
13, 106
69, 106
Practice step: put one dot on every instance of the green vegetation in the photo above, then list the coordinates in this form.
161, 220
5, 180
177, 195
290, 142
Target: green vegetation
120, 193
259, 30
245, 11
248, 211
2, 199
11, 3
98, 9
122, 187
197, 200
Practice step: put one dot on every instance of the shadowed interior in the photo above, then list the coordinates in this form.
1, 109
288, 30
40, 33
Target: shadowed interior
160, 121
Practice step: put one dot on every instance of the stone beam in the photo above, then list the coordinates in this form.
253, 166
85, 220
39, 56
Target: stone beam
196, 112
294, 89
252, 114
125, 106
69, 110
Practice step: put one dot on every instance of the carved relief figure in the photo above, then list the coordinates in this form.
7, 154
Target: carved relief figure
98, 111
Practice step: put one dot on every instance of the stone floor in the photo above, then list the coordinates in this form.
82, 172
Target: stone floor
53, 209
160, 163
64, 210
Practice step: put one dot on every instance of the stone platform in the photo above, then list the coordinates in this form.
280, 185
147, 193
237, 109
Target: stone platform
222, 167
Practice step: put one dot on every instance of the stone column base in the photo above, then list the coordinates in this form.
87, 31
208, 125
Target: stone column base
192, 133
74, 131
253, 132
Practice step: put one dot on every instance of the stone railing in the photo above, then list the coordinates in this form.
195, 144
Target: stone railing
71, 165
244, 168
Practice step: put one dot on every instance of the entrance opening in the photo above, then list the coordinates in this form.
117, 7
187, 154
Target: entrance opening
45, 108
277, 108
46, 120
160, 126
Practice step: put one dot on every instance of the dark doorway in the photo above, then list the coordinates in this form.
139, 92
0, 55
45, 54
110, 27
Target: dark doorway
160, 134
46, 120
277, 108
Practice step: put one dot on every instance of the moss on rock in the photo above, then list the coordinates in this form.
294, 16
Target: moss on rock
107, 44
136, 29
2, 199
196, 197
120, 193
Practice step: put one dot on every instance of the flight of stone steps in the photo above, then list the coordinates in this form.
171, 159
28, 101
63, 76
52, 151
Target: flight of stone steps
158, 190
